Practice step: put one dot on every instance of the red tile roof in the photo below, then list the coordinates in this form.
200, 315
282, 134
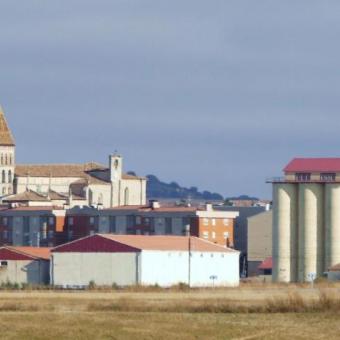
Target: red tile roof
313, 165
266, 264
128, 243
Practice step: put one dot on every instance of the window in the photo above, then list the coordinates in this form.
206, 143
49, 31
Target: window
168, 226
70, 221
4, 220
112, 224
205, 221
6, 159
3, 176
126, 196
226, 221
10, 160
92, 220
3, 263
138, 220
327, 177
213, 221
50, 234
226, 235
9, 176
5, 234
303, 177
206, 234
51, 221
2, 159
213, 235
4, 191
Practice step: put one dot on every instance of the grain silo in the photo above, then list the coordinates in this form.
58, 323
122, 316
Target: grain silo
284, 232
306, 219
332, 225
310, 230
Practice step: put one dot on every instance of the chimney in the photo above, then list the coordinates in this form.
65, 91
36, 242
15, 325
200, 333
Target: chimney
154, 204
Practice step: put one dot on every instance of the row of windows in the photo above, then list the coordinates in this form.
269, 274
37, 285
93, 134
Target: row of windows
306, 177
6, 159
206, 221
8, 178
213, 235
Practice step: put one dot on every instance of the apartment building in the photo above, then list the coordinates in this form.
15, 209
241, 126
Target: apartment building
154, 219
32, 226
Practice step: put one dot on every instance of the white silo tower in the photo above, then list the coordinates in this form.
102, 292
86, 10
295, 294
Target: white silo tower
311, 231
285, 232
332, 225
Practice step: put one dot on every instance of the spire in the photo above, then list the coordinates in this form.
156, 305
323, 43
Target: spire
6, 137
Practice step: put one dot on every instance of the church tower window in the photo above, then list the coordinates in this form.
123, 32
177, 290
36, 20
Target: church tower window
3, 176
9, 176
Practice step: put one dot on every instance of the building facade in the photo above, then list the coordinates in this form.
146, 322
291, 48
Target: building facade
52, 226
259, 240
306, 219
204, 222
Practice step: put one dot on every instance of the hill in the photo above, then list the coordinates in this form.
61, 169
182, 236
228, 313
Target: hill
158, 189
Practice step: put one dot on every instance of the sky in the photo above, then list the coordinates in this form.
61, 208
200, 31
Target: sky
214, 94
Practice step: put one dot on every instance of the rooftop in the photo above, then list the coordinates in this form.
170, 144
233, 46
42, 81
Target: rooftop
313, 165
6, 137
34, 252
95, 243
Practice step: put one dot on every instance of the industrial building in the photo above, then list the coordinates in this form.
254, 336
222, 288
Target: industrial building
24, 265
125, 260
259, 241
306, 219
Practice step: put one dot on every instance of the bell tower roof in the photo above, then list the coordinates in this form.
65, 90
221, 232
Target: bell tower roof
6, 138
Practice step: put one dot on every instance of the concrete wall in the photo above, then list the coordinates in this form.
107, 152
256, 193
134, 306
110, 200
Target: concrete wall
259, 239
30, 272
78, 269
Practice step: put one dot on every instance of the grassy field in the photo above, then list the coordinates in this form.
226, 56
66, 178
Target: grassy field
248, 312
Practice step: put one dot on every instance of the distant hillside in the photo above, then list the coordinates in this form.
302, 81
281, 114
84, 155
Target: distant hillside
243, 198
158, 189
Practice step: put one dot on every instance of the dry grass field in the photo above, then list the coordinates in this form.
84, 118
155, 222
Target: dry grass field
248, 312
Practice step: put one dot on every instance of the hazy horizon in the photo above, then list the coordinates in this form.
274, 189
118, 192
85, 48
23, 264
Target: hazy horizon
218, 95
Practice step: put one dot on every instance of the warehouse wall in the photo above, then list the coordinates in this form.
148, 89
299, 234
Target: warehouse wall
78, 269
168, 268
28, 271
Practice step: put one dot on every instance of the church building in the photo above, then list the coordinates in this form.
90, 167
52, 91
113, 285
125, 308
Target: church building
66, 185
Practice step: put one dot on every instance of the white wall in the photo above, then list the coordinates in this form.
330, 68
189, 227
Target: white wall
168, 268
223, 265
165, 268
78, 269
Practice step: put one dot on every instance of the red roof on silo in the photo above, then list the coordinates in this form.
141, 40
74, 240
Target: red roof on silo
313, 165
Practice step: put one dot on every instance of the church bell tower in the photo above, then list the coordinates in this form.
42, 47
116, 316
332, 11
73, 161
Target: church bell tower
7, 157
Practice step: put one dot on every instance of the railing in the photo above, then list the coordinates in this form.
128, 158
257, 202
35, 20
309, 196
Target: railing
295, 180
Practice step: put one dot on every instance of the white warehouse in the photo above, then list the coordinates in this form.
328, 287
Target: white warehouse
124, 260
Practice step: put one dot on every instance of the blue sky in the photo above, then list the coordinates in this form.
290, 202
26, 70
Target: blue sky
215, 94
